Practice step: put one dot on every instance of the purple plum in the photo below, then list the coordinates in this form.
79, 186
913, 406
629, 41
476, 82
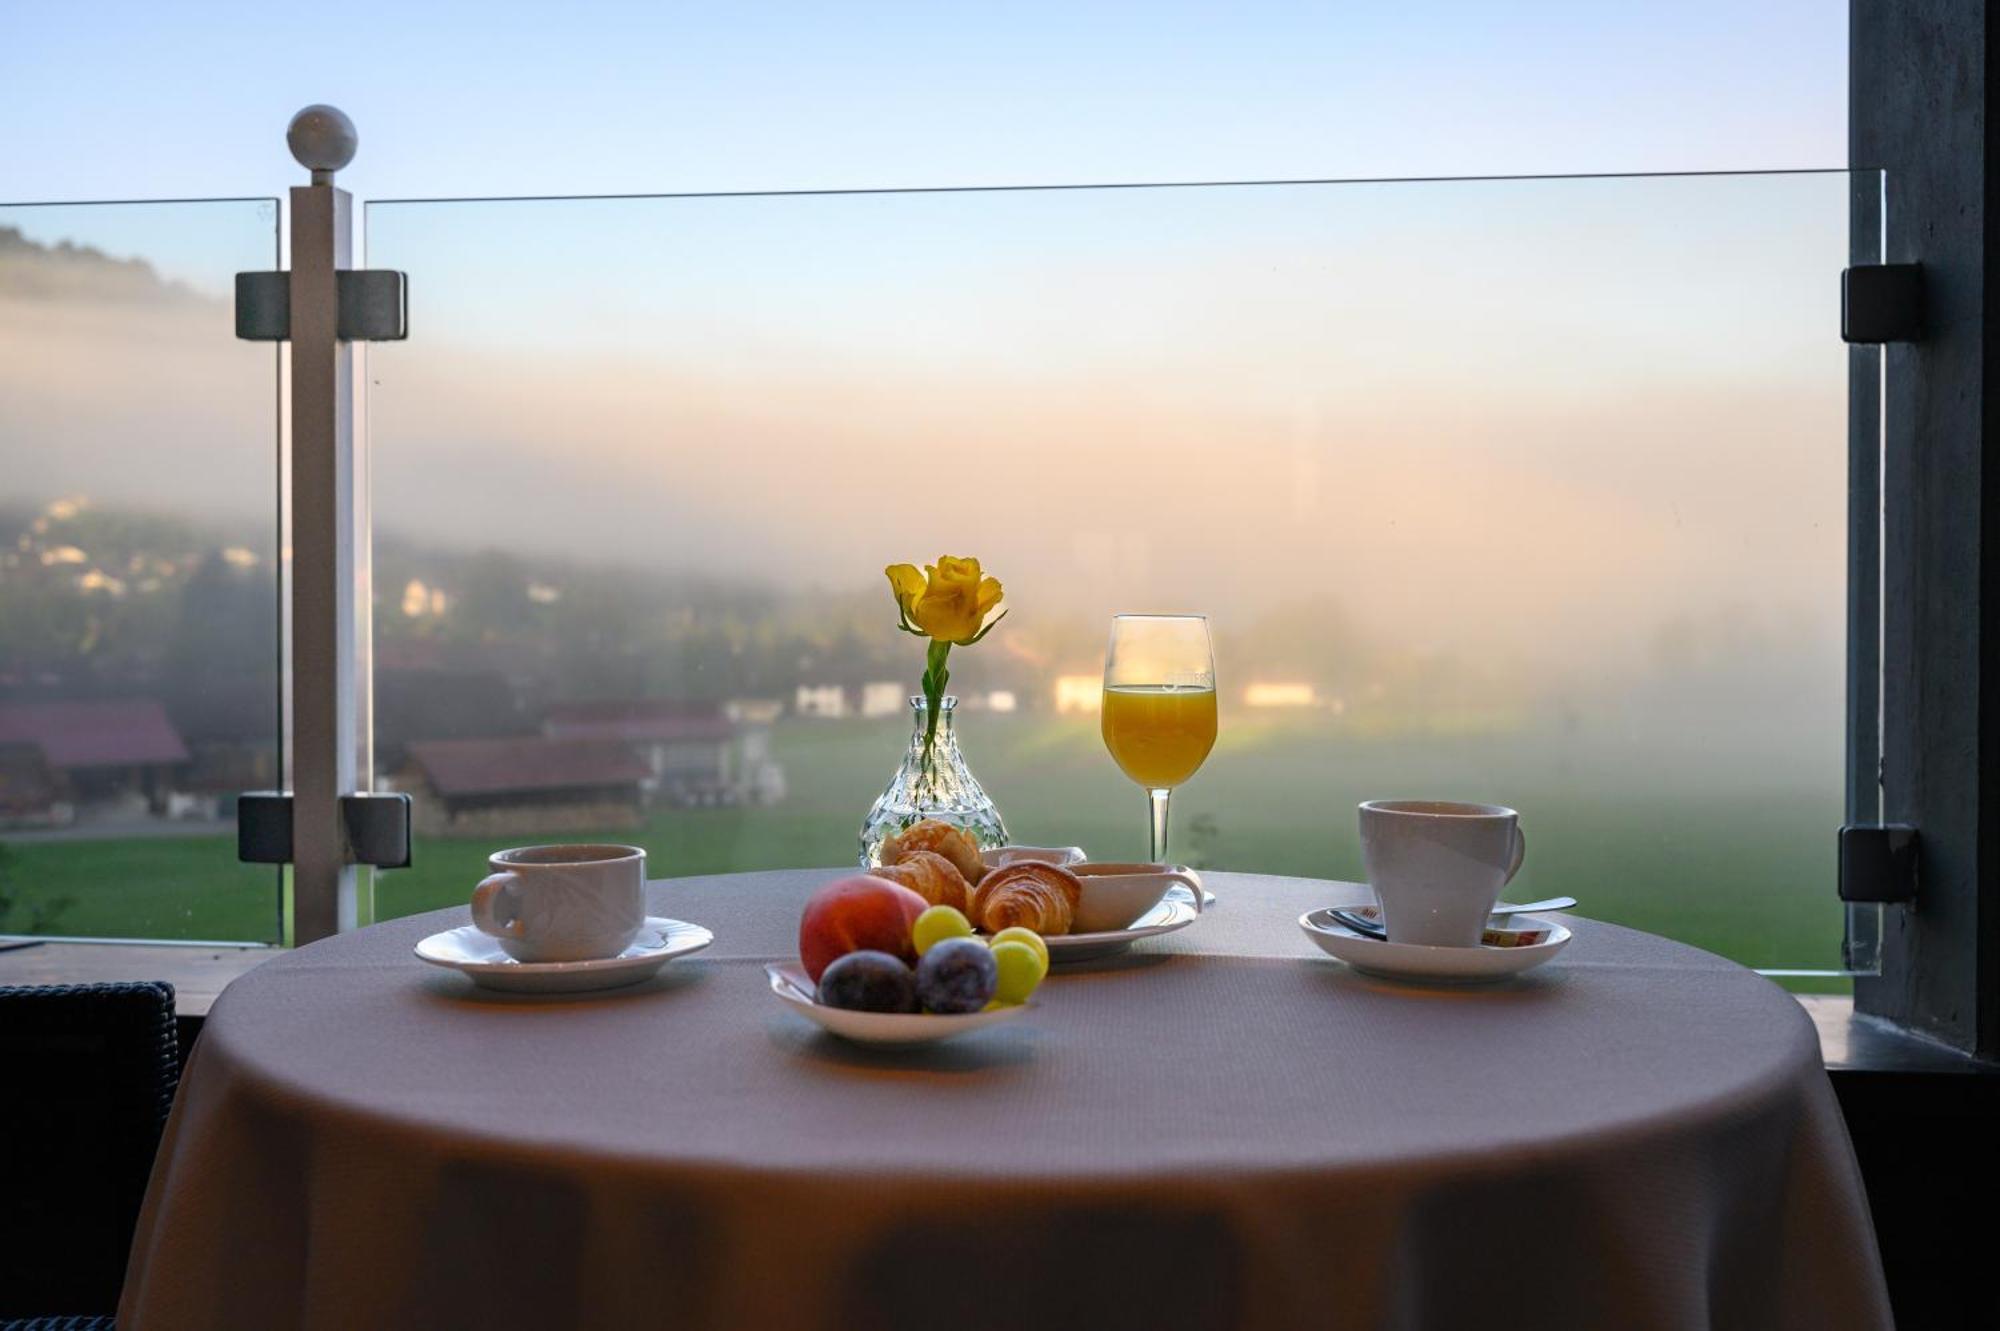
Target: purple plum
957, 975
868, 982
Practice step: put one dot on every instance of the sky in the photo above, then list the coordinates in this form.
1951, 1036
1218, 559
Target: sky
149, 100
1536, 419
1621, 400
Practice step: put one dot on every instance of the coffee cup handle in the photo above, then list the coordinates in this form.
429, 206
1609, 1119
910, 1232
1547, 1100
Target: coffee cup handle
1186, 878
486, 915
1520, 853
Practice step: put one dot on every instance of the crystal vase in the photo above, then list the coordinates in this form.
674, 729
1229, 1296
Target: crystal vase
936, 785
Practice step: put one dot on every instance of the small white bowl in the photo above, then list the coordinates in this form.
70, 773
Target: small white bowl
1173, 912
1066, 856
1116, 895
792, 986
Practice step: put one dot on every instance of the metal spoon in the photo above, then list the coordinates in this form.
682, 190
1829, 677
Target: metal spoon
1367, 928
1547, 903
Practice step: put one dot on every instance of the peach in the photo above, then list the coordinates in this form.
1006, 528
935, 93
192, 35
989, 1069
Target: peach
852, 914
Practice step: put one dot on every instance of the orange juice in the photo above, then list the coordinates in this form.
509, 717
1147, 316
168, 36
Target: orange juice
1159, 733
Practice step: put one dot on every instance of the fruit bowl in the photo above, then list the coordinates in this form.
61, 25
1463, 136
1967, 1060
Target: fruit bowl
790, 984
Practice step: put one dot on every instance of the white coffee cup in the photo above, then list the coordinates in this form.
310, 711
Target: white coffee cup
1437, 867
562, 903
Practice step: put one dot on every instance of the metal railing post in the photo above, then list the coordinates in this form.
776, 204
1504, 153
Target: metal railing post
328, 822
329, 697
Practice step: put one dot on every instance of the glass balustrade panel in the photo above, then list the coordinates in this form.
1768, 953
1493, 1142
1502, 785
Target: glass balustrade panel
1525, 491
139, 547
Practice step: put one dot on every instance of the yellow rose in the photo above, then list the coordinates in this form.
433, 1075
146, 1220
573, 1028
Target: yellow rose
948, 601
907, 582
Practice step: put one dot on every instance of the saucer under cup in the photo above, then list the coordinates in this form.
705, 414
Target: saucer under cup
478, 956
1417, 963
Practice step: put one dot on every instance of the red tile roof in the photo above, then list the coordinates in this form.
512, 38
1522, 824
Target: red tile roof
101, 732
638, 721
497, 766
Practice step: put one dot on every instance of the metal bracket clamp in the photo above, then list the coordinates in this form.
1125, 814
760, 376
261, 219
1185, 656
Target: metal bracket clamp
377, 827
374, 305
1882, 303
1878, 863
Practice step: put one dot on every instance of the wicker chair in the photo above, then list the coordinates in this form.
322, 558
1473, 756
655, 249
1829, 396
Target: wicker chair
87, 1074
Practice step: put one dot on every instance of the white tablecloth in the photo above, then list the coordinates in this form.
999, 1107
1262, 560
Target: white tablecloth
1222, 1129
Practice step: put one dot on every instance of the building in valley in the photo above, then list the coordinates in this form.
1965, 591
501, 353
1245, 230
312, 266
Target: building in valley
60, 759
518, 785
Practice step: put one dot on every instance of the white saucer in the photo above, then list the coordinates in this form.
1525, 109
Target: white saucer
1431, 965
790, 984
1175, 910
479, 956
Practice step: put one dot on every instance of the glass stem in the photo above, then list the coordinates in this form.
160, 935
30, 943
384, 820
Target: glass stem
1158, 799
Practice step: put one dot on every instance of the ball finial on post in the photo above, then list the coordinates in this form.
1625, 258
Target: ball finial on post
322, 139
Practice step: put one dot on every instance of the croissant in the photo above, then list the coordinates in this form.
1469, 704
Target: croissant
1035, 896
932, 877
954, 843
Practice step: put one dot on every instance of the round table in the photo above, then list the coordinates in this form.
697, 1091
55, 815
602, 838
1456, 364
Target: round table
1222, 1128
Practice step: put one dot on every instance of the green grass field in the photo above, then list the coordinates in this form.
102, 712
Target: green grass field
1739, 859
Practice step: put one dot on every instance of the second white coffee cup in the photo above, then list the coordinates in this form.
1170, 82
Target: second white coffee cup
562, 903
1437, 867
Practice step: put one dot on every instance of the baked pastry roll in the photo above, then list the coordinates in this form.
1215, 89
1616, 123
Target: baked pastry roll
932, 877
954, 843
1032, 895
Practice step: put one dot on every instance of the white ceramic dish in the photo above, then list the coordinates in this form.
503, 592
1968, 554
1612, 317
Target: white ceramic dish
1067, 856
1174, 911
1117, 895
795, 990
478, 955
1432, 965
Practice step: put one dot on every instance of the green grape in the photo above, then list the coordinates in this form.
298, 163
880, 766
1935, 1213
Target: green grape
1021, 969
937, 924
1021, 934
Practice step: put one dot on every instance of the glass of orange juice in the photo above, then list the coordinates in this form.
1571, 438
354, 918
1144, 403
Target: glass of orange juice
1159, 705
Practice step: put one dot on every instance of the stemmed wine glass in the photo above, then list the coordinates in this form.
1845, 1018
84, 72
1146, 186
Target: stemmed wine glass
1159, 705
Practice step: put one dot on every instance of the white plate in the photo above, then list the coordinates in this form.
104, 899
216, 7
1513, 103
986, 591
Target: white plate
1176, 910
479, 956
795, 990
1433, 965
